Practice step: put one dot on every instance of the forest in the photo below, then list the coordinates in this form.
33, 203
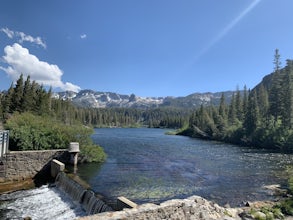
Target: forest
27, 96
261, 117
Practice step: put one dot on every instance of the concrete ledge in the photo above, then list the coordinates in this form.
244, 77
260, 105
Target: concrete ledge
56, 167
36, 151
123, 202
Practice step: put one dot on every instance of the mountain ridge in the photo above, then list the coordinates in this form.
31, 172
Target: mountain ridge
96, 99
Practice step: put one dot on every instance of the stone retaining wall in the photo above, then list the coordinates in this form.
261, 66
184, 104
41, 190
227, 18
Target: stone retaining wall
21, 165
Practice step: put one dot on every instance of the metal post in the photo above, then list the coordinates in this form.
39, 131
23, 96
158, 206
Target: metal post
1, 143
4, 143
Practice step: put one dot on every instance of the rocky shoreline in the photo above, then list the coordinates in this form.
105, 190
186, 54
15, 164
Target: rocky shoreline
192, 208
196, 207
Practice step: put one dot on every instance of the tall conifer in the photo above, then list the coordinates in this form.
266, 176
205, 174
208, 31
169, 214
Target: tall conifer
17, 95
276, 86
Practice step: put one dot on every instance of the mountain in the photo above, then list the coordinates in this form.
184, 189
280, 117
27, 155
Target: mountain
93, 99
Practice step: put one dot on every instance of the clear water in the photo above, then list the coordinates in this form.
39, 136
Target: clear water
145, 165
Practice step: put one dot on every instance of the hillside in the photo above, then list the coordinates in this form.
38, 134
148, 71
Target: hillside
262, 117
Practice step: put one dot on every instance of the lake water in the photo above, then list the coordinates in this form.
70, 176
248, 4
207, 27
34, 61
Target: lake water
145, 165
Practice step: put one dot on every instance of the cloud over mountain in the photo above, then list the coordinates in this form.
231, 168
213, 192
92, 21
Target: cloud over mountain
19, 60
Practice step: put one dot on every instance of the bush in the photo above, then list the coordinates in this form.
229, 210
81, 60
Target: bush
30, 132
287, 205
93, 153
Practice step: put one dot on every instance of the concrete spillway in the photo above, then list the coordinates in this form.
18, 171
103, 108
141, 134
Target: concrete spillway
86, 198
66, 199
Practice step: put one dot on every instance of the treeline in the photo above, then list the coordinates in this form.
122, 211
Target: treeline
262, 117
25, 96
131, 117
28, 96
38, 122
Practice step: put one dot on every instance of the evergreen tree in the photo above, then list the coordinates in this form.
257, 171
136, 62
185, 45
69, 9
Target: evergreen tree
275, 95
27, 99
222, 107
277, 61
245, 101
7, 101
263, 101
238, 105
17, 95
252, 118
232, 116
287, 113
49, 99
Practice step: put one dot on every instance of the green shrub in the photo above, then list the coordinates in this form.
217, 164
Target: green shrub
93, 153
287, 206
31, 132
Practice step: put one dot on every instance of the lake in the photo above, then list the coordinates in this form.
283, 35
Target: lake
145, 165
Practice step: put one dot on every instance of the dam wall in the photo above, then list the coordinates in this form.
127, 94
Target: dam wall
22, 165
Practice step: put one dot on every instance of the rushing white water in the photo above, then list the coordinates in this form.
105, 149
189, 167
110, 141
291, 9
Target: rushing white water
40, 203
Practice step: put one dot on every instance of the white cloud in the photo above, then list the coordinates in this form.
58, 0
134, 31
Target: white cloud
22, 37
19, 60
8, 32
83, 36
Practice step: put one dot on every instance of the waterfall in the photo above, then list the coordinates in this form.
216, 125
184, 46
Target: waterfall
87, 198
69, 186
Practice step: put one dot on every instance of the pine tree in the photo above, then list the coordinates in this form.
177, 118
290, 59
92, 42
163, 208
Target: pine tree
252, 117
27, 99
232, 116
49, 99
245, 101
287, 113
263, 101
275, 95
238, 105
17, 95
222, 107
7, 101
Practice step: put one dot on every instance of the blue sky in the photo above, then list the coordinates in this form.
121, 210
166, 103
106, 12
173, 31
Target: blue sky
146, 47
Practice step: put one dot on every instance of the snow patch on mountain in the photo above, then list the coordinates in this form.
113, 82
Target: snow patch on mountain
93, 99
